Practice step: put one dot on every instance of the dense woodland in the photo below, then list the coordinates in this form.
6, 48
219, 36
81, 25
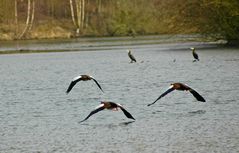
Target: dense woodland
36, 19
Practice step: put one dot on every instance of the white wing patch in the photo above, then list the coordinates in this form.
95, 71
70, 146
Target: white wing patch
76, 78
170, 87
101, 105
119, 104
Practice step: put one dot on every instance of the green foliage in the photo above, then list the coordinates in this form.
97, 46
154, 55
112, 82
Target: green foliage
222, 17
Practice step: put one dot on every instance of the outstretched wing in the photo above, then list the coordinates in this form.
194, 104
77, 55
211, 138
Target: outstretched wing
126, 113
98, 84
197, 95
170, 89
97, 109
72, 84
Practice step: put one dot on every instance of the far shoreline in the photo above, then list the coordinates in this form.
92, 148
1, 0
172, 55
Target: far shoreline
154, 39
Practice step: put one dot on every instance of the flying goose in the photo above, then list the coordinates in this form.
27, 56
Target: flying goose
110, 106
182, 87
81, 78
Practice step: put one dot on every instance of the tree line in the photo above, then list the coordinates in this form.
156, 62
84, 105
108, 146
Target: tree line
26, 19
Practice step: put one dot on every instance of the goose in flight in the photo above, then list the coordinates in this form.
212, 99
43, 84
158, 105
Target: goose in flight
131, 56
195, 55
182, 87
81, 78
110, 106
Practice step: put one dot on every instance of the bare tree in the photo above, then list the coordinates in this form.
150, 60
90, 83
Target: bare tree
33, 15
99, 6
72, 12
78, 18
30, 18
16, 18
83, 14
78, 13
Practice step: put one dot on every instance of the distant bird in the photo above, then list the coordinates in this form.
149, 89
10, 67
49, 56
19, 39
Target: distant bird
195, 55
110, 106
131, 56
81, 78
182, 87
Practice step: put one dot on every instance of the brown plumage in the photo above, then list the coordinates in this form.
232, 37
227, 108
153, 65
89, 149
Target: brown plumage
110, 106
82, 78
182, 87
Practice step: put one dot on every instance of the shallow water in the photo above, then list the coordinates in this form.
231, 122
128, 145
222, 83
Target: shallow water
37, 116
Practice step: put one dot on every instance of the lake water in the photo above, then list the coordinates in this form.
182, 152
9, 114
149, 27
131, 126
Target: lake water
36, 115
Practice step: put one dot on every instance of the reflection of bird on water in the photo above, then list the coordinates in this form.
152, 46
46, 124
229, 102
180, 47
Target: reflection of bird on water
195, 55
131, 56
81, 78
182, 87
110, 106
126, 123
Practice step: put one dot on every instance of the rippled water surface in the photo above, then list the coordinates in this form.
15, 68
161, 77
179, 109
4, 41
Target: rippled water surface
37, 116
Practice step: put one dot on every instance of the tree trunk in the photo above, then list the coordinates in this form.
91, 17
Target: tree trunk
27, 21
78, 13
87, 14
72, 13
99, 6
33, 15
83, 14
16, 19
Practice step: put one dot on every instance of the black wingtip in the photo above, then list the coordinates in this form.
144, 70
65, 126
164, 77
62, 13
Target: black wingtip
132, 117
197, 96
154, 102
81, 121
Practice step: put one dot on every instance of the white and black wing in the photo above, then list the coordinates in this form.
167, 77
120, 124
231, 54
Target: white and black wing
170, 89
97, 84
97, 109
73, 83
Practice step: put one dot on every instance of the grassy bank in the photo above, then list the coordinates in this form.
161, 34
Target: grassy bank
44, 30
64, 29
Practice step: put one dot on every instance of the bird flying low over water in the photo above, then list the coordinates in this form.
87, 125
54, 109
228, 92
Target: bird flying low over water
182, 87
81, 78
131, 56
110, 106
195, 55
